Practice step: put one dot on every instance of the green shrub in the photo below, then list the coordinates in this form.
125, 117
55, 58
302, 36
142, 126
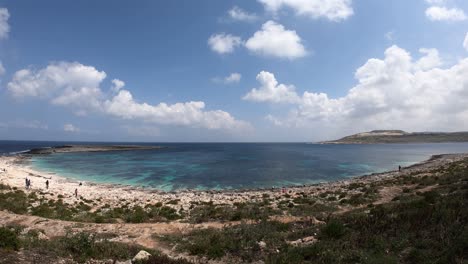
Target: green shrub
333, 229
9, 239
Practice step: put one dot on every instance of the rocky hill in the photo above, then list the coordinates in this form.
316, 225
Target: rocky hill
399, 136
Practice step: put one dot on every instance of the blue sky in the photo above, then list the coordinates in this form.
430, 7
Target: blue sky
286, 70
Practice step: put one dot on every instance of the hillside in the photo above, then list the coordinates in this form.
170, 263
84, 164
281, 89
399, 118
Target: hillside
399, 136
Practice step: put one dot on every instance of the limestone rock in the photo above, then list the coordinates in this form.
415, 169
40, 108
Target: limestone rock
142, 255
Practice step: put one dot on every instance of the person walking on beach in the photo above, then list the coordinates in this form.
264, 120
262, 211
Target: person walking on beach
399, 168
27, 182
47, 184
76, 192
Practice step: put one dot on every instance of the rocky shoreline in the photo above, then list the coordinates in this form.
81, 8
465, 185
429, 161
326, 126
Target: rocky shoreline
114, 195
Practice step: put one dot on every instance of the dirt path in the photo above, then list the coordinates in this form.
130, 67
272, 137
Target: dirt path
141, 234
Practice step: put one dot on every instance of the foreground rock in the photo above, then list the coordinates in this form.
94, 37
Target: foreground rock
142, 255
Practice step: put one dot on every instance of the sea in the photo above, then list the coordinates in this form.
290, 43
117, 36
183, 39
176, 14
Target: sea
227, 166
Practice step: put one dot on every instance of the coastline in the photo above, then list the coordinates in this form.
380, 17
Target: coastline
115, 194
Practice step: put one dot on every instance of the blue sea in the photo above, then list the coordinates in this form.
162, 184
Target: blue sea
208, 166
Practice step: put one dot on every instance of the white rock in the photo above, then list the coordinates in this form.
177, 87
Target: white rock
142, 255
262, 244
42, 236
124, 262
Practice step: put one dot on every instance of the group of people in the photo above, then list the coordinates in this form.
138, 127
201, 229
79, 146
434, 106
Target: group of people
28, 183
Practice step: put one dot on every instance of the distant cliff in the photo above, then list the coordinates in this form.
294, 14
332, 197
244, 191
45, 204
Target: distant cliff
399, 136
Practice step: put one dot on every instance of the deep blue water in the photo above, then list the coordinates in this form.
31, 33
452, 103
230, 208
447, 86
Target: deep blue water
231, 165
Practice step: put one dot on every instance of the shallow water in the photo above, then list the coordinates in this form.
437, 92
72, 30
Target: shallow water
238, 166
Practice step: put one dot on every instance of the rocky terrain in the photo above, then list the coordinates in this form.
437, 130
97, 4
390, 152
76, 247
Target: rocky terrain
399, 136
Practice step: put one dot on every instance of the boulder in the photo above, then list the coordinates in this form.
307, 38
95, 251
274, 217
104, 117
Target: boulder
262, 244
124, 262
142, 255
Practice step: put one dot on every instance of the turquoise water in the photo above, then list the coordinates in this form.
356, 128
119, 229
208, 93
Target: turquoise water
238, 166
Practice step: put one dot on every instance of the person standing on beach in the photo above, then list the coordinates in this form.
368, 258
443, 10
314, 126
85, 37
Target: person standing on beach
399, 168
76, 192
47, 184
26, 182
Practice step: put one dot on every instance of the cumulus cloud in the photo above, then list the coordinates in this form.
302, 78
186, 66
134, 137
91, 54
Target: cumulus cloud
238, 14
190, 113
70, 128
4, 26
232, 78
117, 85
69, 84
429, 61
78, 86
393, 92
276, 41
271, 91
224, 43
465, 42
334, 10
441, 13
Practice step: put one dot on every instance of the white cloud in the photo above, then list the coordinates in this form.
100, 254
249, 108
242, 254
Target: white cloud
429, 61
271, 91
190, 114
465, 42
4, 26
70, 128
232, 78
274, 40
63, 83
224, 43
78, 86
395, 92
236, 13
441, 13
334, 10
117, 85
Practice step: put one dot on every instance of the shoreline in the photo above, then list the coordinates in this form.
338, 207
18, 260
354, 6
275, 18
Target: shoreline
116, 194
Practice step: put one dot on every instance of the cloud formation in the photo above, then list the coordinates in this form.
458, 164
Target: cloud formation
334, 10
273, 40
271, 91
438, 11
238, 14
232, 78
117, 85
4, 26
441, 13
394, 92
224, 43
68, 84
78, 86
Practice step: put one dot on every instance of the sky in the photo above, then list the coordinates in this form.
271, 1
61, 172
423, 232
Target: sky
230, 71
